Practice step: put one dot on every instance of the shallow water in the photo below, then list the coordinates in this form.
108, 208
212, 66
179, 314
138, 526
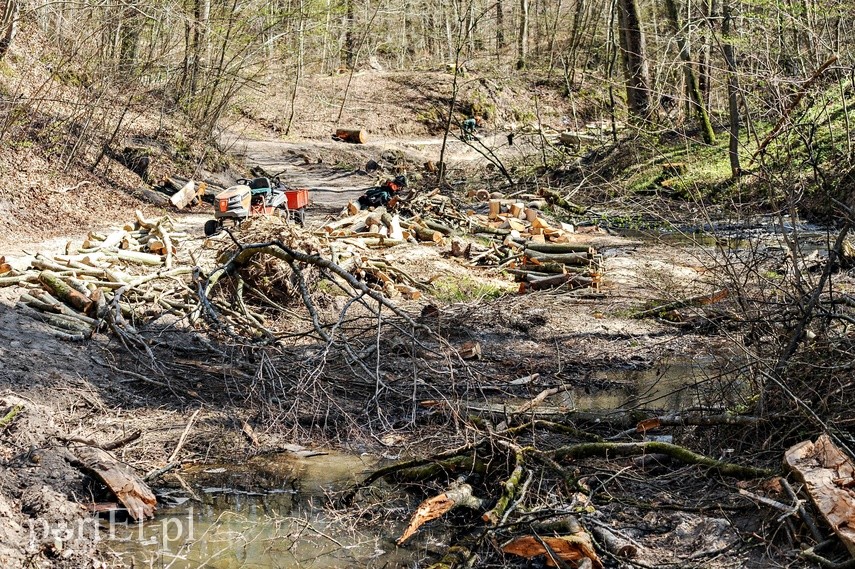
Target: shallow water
267, 513
673, 387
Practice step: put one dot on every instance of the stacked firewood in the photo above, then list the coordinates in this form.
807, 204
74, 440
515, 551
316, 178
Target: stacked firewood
378, 228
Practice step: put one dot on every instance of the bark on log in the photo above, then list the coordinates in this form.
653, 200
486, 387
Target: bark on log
478, 228
575, 281
138, 257
436, 226
556, 199
122, 481
153, 197
578, 259
615, 544
509, 491
700, 300
556, 247
64, 292
354, 136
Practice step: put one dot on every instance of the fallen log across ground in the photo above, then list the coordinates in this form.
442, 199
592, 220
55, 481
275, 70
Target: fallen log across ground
699, 300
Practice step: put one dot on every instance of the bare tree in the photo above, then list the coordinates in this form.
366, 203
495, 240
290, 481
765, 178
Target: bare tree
522, 36
732, 89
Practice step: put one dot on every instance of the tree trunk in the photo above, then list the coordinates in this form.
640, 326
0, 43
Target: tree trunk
522, 37
350, 38
732, 89
201, 13
634, 52
500, 27
693, 88
8, 25
704, 69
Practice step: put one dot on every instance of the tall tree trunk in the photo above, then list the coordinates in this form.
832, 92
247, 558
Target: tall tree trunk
693, 89
732, 89
704, 70
8, 25
522, 37
634, 53
350, 37
129, 35
500, 27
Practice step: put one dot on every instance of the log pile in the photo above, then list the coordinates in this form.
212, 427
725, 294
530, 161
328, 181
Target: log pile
106, 282
538, 253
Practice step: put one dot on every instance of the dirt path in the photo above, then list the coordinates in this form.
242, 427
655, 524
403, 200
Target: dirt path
334, 171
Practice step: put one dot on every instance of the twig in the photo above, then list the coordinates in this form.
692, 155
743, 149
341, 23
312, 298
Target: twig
183, 437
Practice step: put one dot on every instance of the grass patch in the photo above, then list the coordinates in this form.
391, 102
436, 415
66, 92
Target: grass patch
467, 289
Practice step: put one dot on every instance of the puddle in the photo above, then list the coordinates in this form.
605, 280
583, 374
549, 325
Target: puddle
267, 512
675, 386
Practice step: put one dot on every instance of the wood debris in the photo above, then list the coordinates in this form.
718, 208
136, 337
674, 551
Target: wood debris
458, 494
100, 283
122, 481
829, 476
569, 542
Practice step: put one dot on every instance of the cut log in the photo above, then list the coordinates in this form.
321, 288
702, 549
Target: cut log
354, 136
578, 259
495, 209
556, 199
530, 214
478, 228
60, 289
615, 544
184, 196
827, 474
425, 234
351, 220
153, 197
395, 231
122, 481
558, 247
700, 300
139, 257
436, 226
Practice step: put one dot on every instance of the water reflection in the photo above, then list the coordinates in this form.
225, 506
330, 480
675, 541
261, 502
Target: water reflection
266, 513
